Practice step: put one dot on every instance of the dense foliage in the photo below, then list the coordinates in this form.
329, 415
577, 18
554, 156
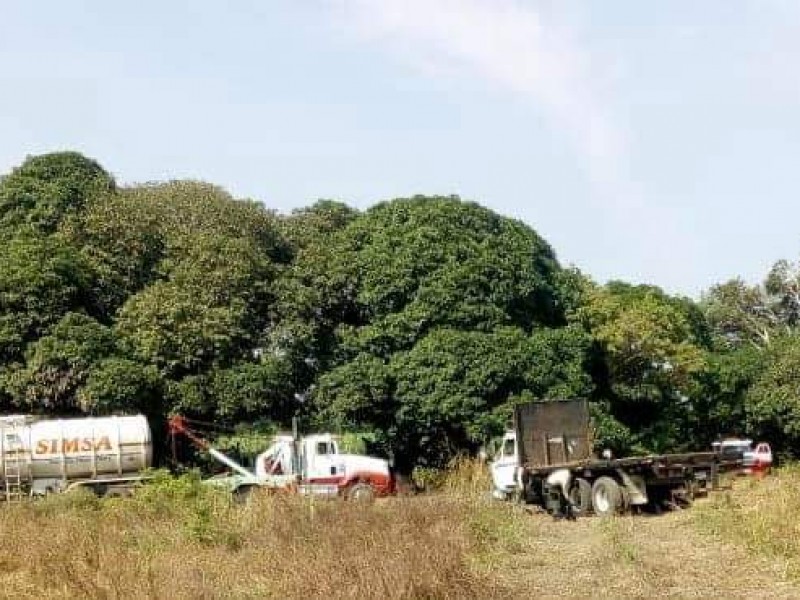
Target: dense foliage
419, 321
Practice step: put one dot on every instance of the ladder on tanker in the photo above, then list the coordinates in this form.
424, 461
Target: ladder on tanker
13, 464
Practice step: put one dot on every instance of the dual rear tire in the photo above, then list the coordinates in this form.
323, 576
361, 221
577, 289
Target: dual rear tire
608, 497
605, 497
580, 497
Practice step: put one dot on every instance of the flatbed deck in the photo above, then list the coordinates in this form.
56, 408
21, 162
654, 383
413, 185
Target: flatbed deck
656, 460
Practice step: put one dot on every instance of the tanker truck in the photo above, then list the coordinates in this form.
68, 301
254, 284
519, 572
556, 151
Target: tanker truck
108, 455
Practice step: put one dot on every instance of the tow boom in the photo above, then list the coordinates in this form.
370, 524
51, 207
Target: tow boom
178, 425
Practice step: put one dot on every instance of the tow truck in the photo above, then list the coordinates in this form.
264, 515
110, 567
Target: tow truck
309, 464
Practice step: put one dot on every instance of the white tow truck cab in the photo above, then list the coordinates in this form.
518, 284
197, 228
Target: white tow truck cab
504, 467
316, 465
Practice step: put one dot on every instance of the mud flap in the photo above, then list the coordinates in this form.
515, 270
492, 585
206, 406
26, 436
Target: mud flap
635, 486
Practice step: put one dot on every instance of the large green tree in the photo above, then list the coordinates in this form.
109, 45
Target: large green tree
649, 347
444, 313
772, 403
202, 295
421, 319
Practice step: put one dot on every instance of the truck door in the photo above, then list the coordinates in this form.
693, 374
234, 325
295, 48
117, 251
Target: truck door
323, 463
505, 465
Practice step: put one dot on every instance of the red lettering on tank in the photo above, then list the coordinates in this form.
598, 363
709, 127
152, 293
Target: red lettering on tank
73, 445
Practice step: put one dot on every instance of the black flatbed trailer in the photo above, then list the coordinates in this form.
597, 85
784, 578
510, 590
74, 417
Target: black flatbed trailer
558, 469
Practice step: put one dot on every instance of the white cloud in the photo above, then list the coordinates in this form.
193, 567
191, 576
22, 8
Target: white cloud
522, 49
513, 46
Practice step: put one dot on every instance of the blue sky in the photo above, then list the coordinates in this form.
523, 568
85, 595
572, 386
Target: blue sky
650, 141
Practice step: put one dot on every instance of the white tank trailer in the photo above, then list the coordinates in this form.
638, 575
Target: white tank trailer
105, 454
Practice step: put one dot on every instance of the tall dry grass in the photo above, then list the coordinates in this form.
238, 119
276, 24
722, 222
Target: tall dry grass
762, 515
463, 475
177, 539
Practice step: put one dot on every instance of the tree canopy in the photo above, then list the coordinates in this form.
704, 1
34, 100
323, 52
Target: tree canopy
420, 321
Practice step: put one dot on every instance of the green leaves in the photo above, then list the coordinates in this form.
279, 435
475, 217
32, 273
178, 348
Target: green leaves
450, 263
773, 402
45, 189
41, 279
647, 339
649, 347
120, 384
453, 389
58, 364
178, 330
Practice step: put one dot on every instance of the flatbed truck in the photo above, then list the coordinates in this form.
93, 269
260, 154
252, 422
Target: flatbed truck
548, 459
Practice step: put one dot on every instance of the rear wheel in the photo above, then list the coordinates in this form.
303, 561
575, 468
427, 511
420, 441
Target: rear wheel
580, 496
606, 497
360, 492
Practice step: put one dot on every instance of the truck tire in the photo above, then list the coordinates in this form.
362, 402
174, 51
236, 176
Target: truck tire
119, 492
580, 496
243, 494
606, 497
360, 492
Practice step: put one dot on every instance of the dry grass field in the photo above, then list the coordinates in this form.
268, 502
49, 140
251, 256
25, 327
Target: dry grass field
177, 539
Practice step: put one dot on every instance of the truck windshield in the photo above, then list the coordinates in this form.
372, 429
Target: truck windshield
734, 450
508, 448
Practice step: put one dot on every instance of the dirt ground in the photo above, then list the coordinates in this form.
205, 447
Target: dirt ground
643, 556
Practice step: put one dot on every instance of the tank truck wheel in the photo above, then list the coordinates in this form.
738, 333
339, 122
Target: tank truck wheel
580, 495
606, 497
119, 492
360, 492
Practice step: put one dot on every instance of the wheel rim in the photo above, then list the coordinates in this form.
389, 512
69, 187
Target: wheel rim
362, 493
601, 500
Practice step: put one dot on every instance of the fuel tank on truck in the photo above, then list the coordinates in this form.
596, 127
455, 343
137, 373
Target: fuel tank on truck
75, 448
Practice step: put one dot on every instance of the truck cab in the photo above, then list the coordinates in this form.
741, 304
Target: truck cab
316, 464
504, 466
